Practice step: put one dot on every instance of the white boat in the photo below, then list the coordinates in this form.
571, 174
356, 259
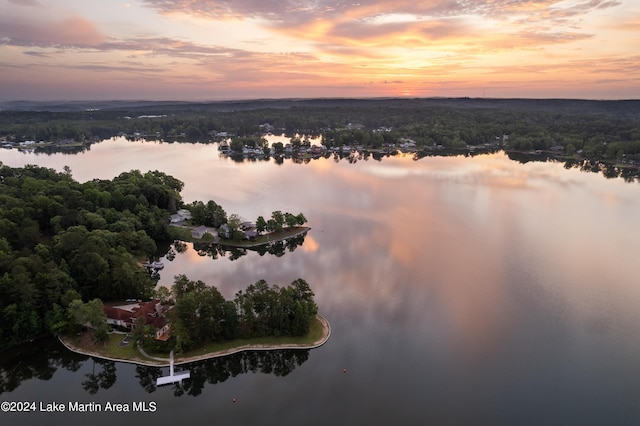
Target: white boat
157, 265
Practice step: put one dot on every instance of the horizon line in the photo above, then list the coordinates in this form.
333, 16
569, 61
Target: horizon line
373, 98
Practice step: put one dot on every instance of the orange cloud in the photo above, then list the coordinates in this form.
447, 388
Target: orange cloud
314, 48
630, 24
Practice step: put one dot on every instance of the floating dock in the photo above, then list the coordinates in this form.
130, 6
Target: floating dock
172, 378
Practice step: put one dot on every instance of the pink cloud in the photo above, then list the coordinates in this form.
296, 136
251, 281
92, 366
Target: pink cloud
73, 32
291, 11
32, 3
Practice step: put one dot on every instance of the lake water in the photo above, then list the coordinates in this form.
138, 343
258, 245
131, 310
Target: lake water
459, 290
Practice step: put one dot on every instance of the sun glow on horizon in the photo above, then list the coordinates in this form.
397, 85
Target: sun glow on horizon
188, 50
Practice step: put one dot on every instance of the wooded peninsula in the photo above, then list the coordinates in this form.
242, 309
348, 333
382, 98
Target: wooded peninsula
65, 247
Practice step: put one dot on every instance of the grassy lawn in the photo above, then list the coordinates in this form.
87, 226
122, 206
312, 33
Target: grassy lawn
184, 234
263, 239
179, 233
111, 348
315, 333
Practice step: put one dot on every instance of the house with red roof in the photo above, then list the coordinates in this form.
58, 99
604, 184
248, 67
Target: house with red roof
153, 312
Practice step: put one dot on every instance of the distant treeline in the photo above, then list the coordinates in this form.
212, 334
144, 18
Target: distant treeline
597, 130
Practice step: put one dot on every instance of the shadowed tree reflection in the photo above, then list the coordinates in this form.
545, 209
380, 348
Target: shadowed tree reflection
104, 379
217, 370
275, 248
42, 360
627, 171
39, 360
148, 376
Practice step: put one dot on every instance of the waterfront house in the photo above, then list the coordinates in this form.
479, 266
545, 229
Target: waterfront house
224, 231
153, 312
199, 231
249, 229
180, 216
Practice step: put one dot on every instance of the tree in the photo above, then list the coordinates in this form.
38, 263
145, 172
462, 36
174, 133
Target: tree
263, 144
184, 317
233, 223
277, 221
163, 294
199, 313
237, 146
261, 224
230, 320
198, 212
306, 143
290, 219
210, 214
296, 143
138, 332
58, 320
304, 307
277, 147
90, 315
193, 133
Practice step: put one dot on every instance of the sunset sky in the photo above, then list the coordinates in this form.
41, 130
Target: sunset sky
241, 49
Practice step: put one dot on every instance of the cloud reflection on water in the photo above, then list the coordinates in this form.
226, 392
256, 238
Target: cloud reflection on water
461, 253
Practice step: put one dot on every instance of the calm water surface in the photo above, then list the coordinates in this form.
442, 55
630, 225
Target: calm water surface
459, 290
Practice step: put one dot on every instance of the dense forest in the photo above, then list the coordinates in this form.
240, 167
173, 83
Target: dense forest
201, 314
61, 241
595, 130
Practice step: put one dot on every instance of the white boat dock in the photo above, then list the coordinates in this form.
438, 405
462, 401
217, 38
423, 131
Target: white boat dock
172, 378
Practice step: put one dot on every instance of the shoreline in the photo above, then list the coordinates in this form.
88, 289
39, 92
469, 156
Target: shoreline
271, 237
299, 230
164, 362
